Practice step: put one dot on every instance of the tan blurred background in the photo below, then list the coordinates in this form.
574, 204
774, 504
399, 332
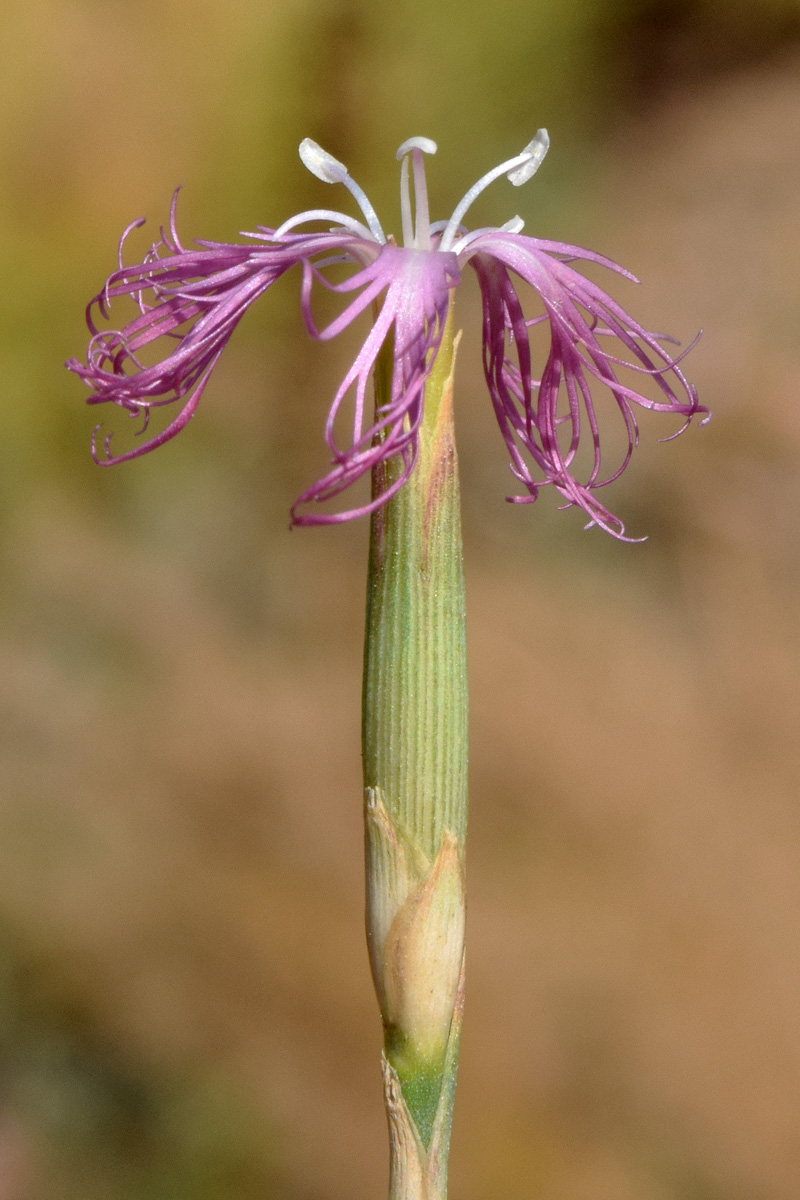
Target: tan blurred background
185, 1009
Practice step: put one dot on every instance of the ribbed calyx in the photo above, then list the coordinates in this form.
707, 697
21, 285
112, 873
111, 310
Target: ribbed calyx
415, 674
415, 776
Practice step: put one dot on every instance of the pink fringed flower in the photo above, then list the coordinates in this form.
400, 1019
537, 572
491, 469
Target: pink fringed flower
190, 301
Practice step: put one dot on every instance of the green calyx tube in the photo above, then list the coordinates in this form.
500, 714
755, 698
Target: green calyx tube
415, 779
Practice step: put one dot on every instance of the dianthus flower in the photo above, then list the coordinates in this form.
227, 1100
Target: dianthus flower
191, 299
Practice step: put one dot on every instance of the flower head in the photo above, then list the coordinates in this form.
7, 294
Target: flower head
191, 299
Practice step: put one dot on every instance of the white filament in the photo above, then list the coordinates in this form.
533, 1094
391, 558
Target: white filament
518, 170
325, 214
330, 170
515, 225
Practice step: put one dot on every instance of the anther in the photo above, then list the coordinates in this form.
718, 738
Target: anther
330, 170
320, 163
517, 170
535, 151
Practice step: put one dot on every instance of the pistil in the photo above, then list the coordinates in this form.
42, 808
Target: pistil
415, 147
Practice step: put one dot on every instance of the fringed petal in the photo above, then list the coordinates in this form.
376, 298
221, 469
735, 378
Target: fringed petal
190, 302
532, 413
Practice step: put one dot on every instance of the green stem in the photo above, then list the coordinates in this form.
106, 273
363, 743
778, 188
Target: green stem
415, 776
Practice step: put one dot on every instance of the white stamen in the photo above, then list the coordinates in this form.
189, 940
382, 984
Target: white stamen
515, 225
416, 143
325, 214
330, 170
320, 163
536, 148
517, 170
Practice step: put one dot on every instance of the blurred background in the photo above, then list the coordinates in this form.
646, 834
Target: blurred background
185, 1006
